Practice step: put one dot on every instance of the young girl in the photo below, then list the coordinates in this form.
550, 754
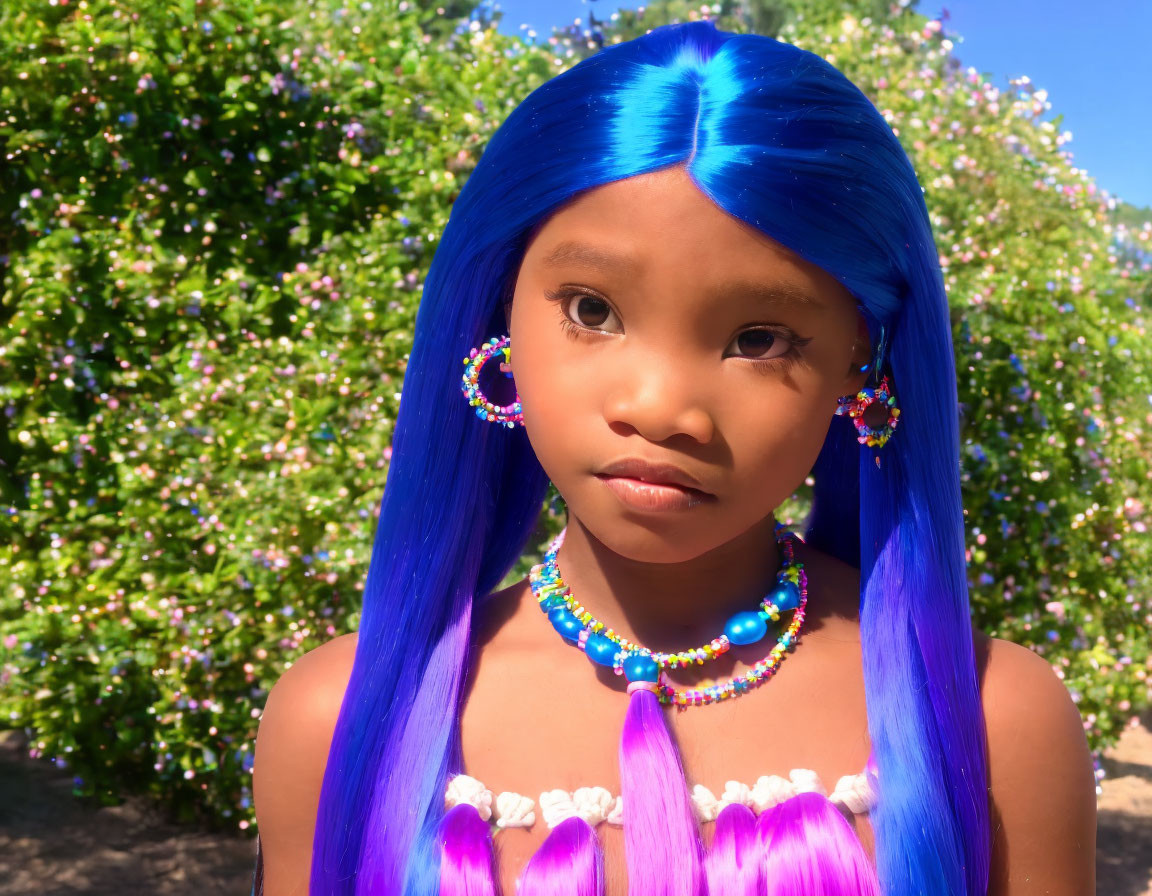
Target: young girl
703, 263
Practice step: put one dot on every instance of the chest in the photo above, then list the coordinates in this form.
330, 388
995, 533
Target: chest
530, 728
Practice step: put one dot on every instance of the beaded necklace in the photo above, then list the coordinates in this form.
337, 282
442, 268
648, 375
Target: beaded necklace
607, 648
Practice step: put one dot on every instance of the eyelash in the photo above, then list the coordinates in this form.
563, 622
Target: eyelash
762, 365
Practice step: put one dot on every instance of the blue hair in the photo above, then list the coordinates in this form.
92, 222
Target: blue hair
779, 138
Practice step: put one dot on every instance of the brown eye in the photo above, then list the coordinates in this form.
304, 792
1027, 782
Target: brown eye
757, 343
769, 349
589, 310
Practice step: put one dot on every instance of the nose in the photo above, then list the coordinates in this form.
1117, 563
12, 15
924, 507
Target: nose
659, 399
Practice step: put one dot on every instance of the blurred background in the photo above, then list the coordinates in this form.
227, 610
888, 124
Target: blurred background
217, 218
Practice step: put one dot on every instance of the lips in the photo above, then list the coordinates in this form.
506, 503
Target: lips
653, 496
653, 472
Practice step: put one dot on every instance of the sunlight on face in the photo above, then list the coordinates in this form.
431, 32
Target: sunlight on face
647, 322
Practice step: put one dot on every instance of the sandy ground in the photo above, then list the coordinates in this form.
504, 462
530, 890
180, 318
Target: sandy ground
1124, 816
51, 845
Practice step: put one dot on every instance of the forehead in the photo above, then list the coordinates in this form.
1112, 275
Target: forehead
662, 224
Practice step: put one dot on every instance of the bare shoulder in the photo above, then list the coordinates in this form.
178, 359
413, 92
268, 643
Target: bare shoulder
1043, 790
291, 751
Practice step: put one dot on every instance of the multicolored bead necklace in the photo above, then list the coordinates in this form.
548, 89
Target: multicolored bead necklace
646, 668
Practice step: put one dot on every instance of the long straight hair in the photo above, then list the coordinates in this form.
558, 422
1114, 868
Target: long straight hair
779, 138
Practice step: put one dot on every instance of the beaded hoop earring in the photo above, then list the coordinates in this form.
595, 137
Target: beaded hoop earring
507, 415
873, 409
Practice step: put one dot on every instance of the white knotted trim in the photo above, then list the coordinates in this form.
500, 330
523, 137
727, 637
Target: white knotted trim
771, 790
736, 792
466, 789
592, 804
705, 803
557, 805
807, 781
616, 816
854, 794
514, 810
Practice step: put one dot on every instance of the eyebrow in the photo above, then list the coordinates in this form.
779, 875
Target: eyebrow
769, 293
595, 258
581, 254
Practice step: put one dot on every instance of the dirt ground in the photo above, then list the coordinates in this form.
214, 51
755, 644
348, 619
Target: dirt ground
51, 845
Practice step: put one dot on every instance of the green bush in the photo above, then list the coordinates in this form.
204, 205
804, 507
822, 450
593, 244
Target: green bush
218, 219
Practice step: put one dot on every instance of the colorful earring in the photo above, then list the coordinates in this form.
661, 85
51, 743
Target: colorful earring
873, 409
508, 415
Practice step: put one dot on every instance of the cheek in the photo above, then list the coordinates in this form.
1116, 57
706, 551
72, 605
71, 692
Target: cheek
773, 456
552, 384
555, 405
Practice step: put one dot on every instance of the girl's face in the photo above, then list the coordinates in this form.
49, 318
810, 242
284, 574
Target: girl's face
648, 323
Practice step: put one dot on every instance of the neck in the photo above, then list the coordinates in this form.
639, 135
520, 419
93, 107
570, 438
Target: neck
669, 606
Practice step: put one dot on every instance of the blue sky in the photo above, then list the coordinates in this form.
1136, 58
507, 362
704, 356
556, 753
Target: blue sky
1093, 60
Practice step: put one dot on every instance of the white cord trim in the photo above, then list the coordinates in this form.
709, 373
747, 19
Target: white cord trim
514, 810
853, 794
466, 789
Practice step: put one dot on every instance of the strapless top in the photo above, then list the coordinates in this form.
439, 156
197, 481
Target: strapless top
852, 794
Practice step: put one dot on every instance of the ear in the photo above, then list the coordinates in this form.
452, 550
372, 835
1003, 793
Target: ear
861, 355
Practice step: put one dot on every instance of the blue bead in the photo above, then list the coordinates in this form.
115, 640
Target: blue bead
566, 623
601, 649
641, 667
786, 596
745, 628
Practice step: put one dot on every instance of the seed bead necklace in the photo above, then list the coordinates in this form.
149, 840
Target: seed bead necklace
607, 648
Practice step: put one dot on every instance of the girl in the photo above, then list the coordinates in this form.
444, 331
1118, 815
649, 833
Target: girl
704, 265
